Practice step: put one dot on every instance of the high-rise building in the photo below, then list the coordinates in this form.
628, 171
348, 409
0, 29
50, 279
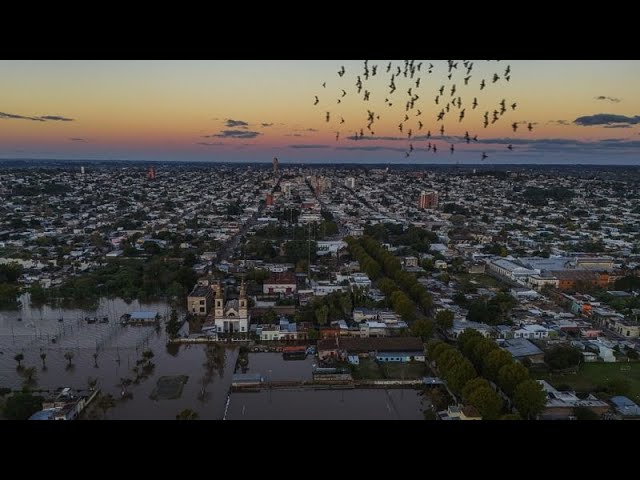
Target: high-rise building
350, 182
82, 170
152, 173
428, 200
276, 166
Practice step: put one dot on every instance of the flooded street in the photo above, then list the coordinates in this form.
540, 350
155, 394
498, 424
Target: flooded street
76, 351
310, 404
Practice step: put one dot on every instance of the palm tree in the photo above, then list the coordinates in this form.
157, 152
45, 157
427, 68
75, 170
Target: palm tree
187, 414
69, 356
19, 358
43, 356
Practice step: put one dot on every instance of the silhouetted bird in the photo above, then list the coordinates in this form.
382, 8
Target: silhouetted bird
530, 126
482, 85
484, 155
510, 147
328, 116
317, 101
452, 149
341, 71
513, 106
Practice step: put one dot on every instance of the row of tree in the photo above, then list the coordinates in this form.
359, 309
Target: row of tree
477, 354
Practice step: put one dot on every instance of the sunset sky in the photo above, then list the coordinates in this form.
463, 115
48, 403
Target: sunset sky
580, 111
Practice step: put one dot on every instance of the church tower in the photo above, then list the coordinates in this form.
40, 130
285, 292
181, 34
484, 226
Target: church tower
242, 301
219, 301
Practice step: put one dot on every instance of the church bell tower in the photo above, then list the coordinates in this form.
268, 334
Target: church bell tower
242, 300
219, 301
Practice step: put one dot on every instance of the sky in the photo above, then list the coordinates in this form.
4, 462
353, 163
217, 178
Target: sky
584, 111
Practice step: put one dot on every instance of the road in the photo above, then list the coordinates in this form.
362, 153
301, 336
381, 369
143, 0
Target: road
233, 242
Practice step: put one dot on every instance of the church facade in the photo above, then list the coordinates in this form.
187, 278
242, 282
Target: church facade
231, 316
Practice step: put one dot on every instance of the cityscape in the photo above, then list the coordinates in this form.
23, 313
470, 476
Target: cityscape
446, 267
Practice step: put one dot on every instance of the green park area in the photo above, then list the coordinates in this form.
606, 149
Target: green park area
597, 377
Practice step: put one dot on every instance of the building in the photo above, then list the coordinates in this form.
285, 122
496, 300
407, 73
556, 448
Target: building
521, 348
510, 270
625, 407
428, 200
281, 283
350, 182
561, 405
343, 347
231, 316
276, 166
454, 412
573, 279
151, 175
200, 300
269, 200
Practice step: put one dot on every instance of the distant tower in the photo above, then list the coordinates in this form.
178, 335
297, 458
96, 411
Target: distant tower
82, 170
219, 301
242, 301
428, 200
152, 173
269, 200
276, 165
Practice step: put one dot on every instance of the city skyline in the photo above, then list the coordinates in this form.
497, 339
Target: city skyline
246, 111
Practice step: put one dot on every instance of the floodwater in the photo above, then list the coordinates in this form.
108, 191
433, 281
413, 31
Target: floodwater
209, 369
307, 404
119, 348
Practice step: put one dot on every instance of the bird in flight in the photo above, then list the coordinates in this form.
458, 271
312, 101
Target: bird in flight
341, 72
317, 101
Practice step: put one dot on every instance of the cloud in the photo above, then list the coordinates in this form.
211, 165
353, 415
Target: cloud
210, 144
236, 123
559, 122
243, 134
294, 135
265, 125
308, 146
606, 119
84, 140
56, 118
619, 125
608, 99
44, 118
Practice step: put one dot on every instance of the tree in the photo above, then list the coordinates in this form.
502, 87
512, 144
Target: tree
561, 357
187, 414
422, 328
69, 357
173, 326
20, 406
488, 402
313, 334
270, 316
148, 355
444, 320
43, 357
19, 358
29, 374
105, 402
530, 399
459, 374
321, 314
584, 413
510, 376
494, 361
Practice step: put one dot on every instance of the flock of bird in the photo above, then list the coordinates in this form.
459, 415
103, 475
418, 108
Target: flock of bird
410, 79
